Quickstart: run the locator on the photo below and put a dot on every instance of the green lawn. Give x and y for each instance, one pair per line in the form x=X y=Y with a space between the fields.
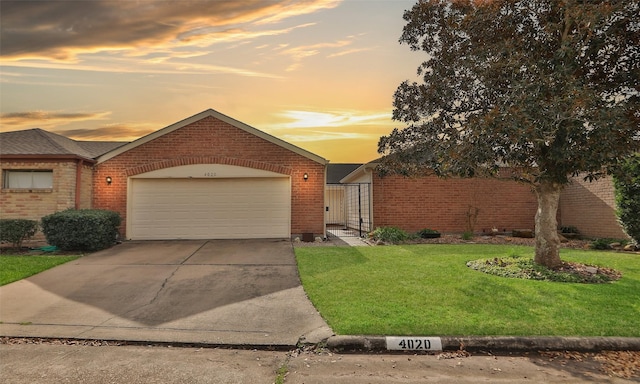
x=428 y=290
x=14 y=268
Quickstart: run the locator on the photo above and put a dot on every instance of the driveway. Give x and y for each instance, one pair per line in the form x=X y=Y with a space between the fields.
x=236 y=292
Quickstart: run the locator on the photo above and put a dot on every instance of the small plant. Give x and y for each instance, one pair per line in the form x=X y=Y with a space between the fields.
x=427 y=233
x=605 y=243
x=391 y=235
x=467 y=235
x=15 y=231
x=472 y=218
x=569 y=229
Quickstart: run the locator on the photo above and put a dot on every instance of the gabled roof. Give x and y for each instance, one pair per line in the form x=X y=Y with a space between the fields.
x=336 y=172
x=38 y=142
x=361 y=170
x=219 y=116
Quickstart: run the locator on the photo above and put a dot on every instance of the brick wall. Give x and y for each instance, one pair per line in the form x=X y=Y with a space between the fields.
x=442 y=204
x=590 y=206
x=211 y=141
x=34 y=204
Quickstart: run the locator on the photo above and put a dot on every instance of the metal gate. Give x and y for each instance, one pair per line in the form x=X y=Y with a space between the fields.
x=348 y=209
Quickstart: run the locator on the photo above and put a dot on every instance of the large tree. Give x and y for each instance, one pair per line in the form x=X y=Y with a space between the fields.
x=547 y=88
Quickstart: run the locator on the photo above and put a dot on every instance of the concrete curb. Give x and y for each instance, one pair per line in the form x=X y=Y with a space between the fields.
x=495 y=343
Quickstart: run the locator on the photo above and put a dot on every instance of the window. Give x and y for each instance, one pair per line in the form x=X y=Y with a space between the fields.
x=27 y=179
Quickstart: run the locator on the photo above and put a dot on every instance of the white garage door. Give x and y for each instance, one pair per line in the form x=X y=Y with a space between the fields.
x=210 y=208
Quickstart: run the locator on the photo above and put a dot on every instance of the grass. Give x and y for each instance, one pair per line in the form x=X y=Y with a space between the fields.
x=429 y=290
x=17 y=267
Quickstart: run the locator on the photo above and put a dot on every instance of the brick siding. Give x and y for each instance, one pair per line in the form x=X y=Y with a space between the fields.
x=590 y=207
x=442 y=204
x=212 y=141
x=34 y=204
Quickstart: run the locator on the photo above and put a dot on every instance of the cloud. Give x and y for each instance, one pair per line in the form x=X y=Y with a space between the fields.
x=314 y=136
x=301 y=52
x=348 y=52
x=310 y=119
x=115 y=132
x=62 y=30
x=30 y=119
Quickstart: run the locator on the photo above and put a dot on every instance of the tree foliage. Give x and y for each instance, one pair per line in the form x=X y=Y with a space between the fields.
x=627 y=183
x=549 y=88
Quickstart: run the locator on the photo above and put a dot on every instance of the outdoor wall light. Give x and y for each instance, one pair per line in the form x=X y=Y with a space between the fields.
x=305 y=176
x=109 y=180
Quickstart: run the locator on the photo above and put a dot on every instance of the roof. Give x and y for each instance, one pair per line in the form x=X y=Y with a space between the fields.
x=39 y=142
x=221 y=117
x=361 y=170
x=336 y=172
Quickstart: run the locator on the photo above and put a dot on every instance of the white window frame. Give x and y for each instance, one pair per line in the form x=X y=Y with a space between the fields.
x=27 y=179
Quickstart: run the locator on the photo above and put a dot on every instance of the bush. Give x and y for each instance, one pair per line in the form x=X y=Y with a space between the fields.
x=81 y=230
x=15 y=231
x=569 y=229
x=427 y=233
x=467 y=235
x=391 y=235
x=627 y=185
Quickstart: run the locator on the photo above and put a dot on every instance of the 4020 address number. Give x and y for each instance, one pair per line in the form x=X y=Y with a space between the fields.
x=414 y=343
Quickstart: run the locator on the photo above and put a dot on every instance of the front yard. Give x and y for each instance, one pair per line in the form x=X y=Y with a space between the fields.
x=429 y=290
x=17 y=267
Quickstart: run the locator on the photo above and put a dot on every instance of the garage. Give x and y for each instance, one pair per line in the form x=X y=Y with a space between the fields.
x=216 y=207
x=210 y=176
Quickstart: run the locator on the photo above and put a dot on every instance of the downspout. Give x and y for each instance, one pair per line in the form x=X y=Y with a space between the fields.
x=78 y=182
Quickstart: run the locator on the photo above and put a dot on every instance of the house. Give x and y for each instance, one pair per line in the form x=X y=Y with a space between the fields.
x=212 y=177
x=482 y=204
x=208 y=176
x=43 y=172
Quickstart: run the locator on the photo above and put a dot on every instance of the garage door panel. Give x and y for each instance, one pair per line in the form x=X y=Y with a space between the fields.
x=210 y=208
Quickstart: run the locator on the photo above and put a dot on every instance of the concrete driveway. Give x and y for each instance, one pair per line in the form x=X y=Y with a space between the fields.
x=236 y=292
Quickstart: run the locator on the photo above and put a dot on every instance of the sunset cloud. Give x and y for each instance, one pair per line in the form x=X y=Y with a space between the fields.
x=124 y=132
x=311 y=119
x=46 y=119
x=62 y=30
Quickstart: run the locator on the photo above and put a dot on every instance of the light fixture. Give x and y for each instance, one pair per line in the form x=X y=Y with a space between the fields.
x=305 y=176
x=109 y=180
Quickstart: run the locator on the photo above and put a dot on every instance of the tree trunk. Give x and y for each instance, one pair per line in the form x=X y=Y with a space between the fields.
x=547 y=240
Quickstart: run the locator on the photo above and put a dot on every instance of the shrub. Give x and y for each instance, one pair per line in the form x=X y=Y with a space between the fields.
x=15 y=231
x=391 y=235
x=467 y=235
x=606 y=243
x=569 y=229
x=81 y=230
x=427 y=233
x=627 y=185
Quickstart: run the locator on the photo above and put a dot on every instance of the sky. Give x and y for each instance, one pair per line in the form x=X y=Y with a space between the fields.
x=319 y=74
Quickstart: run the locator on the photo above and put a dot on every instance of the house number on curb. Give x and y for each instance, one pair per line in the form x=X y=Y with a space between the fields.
x=414 y=343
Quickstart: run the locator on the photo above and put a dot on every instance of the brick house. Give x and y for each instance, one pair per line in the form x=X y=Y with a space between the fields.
x=448 y=204
x=43 y=172
x=210 y=176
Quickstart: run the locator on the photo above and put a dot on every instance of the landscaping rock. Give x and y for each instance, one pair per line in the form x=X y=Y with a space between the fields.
x=526 y=233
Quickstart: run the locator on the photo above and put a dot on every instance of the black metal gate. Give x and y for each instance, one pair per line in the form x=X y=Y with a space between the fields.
x=348 y=209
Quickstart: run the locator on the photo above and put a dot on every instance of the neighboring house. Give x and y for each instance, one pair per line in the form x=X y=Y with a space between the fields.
x=43 y=172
